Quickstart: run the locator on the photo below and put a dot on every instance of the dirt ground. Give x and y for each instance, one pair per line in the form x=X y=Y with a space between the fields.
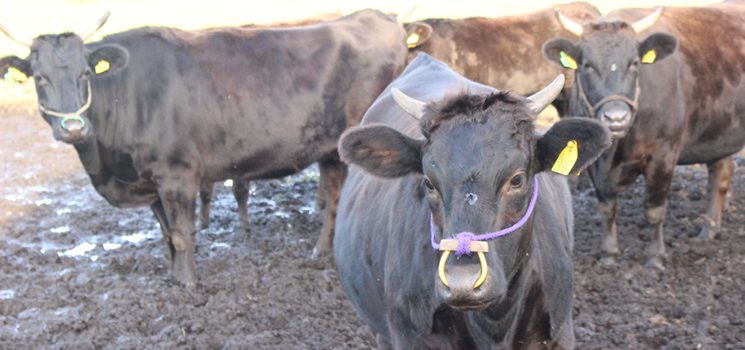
x=77 y=273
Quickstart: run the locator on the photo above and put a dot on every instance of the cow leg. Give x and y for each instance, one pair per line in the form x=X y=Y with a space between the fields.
x=333 y=173
x=383 y=343
x=658 y=176
x=609 y=211
x=606 y=184
x=240 y=192
x=205 y=196
x=720 y=178
x=160 y=215
x=320 y=198
x=178 y=192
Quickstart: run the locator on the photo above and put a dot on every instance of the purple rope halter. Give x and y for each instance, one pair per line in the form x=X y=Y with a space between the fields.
x=465 y=238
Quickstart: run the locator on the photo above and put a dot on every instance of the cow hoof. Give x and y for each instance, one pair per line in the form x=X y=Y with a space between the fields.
x=708 y=233
x=655 y=262
x=204 y=224
x=189 y=284
x=609 y=260
x=319 y=253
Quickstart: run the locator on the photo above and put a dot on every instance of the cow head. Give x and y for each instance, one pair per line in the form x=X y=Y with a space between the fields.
x=607 y=63
x=62 y=68
x=477 y=163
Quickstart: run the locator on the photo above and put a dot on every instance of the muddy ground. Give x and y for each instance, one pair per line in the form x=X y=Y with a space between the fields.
x=77 y=273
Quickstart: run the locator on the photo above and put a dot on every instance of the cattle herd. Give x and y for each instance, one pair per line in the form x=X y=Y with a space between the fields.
x=449 y=216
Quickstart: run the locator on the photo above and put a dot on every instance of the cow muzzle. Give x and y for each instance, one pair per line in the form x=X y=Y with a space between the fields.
x=73 y=130
x=72 y=127
x=618 y=116
x=467 y=283
x=617 y=112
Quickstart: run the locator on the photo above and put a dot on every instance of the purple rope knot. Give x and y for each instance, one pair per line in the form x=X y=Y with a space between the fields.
x=464 y=243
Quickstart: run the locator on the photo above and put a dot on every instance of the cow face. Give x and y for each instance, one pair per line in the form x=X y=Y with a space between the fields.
x=62 y=68
x=476 y=164
x=607 y=62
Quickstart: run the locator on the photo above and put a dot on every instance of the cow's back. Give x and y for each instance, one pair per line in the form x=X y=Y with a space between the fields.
x=258 y=103
x=711 y=74
x=504 y=52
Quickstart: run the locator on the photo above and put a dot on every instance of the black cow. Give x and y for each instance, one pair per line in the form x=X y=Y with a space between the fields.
x=176 y=108
x=500 y=51
x=671 y=92
x=467 y=165
x=241 y=187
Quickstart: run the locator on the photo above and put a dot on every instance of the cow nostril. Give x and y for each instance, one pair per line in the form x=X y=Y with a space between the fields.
x=72 y=125
x=447 y=293
x=615 y=115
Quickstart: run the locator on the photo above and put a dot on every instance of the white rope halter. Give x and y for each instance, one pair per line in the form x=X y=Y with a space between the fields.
x=67 y=116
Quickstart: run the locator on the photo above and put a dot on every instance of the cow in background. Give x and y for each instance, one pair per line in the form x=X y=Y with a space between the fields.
x=469 y=162
x=241 y=187
x=500 y=51
x=154 y=111
x=671 y=88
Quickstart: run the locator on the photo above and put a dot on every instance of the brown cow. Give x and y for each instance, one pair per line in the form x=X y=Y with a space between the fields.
x=671 y=92
x=503 y=51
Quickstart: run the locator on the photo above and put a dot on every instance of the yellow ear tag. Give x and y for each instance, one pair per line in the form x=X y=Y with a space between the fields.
x=567 y=61
x=17 y=75
x=14 y=76
x=412 y=40
x=649 y=57
x=567 y=158
x=102 y=66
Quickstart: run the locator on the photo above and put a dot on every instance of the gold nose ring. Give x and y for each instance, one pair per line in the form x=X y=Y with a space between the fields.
x=451 y=245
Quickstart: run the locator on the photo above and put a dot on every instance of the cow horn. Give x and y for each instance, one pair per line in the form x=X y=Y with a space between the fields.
x=568 y=24
x=86 y=33
x=648 y=21
x=23 y=40
x=411 y=106
x=409 y=13
x=541 y=99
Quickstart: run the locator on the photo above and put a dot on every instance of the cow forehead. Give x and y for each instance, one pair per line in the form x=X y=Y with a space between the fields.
x=460 y=150
x=609 y=46
x=59 y=50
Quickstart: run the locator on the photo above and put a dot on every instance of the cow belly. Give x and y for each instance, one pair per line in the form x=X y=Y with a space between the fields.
x=125 y=195
x=707 y=150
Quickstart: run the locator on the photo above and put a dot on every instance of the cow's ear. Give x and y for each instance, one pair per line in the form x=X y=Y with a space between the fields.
x=381 y=151
x=108 y=59
x=417 y=33
x=656 y=47
x=562 y=52
x=21 y=69
x=573 y=143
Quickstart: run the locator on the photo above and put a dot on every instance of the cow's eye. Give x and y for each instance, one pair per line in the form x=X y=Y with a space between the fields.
x=517 y=181
x=588 y=68
x=429 y=186
x=40 y=80
x=634 y=65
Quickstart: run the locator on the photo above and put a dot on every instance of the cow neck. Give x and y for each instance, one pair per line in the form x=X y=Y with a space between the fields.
x=89 y=156
x=592 y=109
x=464 y=238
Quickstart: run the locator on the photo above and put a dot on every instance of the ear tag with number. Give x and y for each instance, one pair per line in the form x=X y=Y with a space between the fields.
x=567 y=61
x=412 y=40
x=649 y=57
x=567 y=158
x=14 y=76
x=102 y=66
